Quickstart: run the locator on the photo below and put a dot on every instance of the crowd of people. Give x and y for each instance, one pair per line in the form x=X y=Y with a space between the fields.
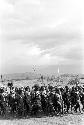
x=40 y=100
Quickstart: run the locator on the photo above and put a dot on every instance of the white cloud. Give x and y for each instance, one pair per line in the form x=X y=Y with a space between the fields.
x=39 y=32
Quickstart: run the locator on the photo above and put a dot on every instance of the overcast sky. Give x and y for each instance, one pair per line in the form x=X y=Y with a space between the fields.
x=41 y=33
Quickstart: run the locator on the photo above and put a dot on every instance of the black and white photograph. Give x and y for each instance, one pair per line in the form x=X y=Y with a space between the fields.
x=41 y=62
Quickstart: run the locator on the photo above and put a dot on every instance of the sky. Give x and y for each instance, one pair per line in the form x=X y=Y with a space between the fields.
x=41 y=34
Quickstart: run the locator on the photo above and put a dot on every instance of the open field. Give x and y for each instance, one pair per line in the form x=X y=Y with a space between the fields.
x=30 y=83
x=29 y=79
x=75 y=119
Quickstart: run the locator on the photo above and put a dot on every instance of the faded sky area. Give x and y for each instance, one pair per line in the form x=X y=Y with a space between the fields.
x=45 y=34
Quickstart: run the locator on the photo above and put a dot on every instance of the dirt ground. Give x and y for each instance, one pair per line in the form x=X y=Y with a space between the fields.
x=70 y=119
